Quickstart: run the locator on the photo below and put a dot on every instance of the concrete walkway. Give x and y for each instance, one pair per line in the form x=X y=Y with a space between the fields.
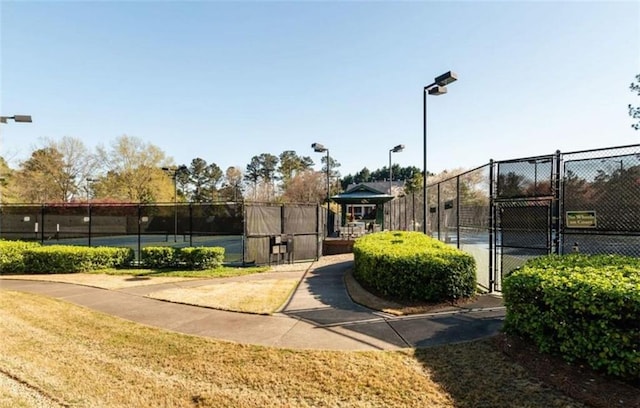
x=320 y=315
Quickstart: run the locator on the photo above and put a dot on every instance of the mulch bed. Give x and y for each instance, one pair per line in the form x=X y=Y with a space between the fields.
x=575 y=380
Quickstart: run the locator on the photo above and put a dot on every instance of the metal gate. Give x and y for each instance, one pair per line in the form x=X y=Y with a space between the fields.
x=522 y=233
x=525 y=212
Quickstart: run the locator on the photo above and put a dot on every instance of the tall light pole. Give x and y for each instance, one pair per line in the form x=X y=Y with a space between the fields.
x=319 y=148
x=17 y=119
x=89 y=180
x=438 y=87
x=173 y=173
x=396 y=149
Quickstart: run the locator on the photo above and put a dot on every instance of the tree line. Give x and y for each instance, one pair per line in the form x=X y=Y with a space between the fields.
x=132 y=170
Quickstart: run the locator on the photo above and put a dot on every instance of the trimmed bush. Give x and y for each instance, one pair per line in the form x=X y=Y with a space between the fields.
x=69 y=259
x=11 y=255
x=584 y=308
x=412 y=266
x=201 y=257
x=158 y=257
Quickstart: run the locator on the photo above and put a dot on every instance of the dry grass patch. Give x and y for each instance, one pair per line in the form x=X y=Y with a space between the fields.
x=260 y=296
x=14 y=394
x=89 y=359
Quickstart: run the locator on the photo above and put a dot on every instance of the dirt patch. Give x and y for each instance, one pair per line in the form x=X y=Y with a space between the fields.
x=575 y=380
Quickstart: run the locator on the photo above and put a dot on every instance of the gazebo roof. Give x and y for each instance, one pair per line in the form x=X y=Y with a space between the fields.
x=362 y=194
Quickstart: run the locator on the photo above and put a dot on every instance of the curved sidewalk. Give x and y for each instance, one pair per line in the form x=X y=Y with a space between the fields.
x=320 y=315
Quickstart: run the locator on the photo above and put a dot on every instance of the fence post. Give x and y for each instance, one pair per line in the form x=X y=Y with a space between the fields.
x=458 y=212
x=89 y=215
x=190 y=224
x=42 y=226
x=139 y=233
x=413 y=211
x=492 y=226
x=437 y=210
x=244 y=232
x=318 y=231
x=557 y=205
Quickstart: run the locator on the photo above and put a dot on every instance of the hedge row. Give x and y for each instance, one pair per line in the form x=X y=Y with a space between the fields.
x=188 y=258
x=412 y=266
x=581 y=307
x=23 y=257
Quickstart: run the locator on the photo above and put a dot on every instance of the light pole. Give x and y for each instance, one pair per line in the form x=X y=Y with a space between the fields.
x=535 y=163
x=89 y=180
x=438 y=87
x=319 y=148
x=4 y=119
x=173 y=173
x=396 y=149
x=615 y=161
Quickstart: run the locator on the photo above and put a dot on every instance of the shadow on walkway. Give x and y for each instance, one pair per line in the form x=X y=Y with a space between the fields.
x=322 y=299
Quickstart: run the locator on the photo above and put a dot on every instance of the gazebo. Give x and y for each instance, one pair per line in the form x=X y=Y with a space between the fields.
x=365 y=196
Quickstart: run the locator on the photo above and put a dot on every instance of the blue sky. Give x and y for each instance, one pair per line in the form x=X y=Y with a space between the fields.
x=225 y=81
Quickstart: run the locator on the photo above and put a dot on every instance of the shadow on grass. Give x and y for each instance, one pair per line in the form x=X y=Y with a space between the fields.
x=476 y=374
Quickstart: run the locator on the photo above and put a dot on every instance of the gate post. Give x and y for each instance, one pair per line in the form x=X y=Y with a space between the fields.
x=492 y=226
x=557 y=205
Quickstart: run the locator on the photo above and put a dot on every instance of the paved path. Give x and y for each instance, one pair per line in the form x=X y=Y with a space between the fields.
x=320 y=315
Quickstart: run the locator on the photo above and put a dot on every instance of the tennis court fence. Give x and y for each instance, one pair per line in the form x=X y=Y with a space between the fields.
x=509 y=211
x=251 y=233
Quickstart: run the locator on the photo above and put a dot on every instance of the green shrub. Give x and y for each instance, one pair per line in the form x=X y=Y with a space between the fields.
x=69 y=259
x=11 y=255
x=584 y=308
x=158 y=257
x=201 y=257
x=412 y=266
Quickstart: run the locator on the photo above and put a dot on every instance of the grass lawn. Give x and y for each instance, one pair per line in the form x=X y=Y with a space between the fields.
x=77 y=357
x=261 y=296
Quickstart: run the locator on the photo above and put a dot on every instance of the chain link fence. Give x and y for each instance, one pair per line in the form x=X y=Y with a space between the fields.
x=506 y=212
x=247 y=232
x=601 y=201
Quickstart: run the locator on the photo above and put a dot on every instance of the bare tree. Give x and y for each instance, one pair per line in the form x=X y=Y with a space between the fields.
x=134 y=171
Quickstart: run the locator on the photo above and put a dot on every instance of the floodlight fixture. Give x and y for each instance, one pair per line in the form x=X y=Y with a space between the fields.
x=438 y=90
x=318 y=148
x=16 y=118
x=446 y=78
